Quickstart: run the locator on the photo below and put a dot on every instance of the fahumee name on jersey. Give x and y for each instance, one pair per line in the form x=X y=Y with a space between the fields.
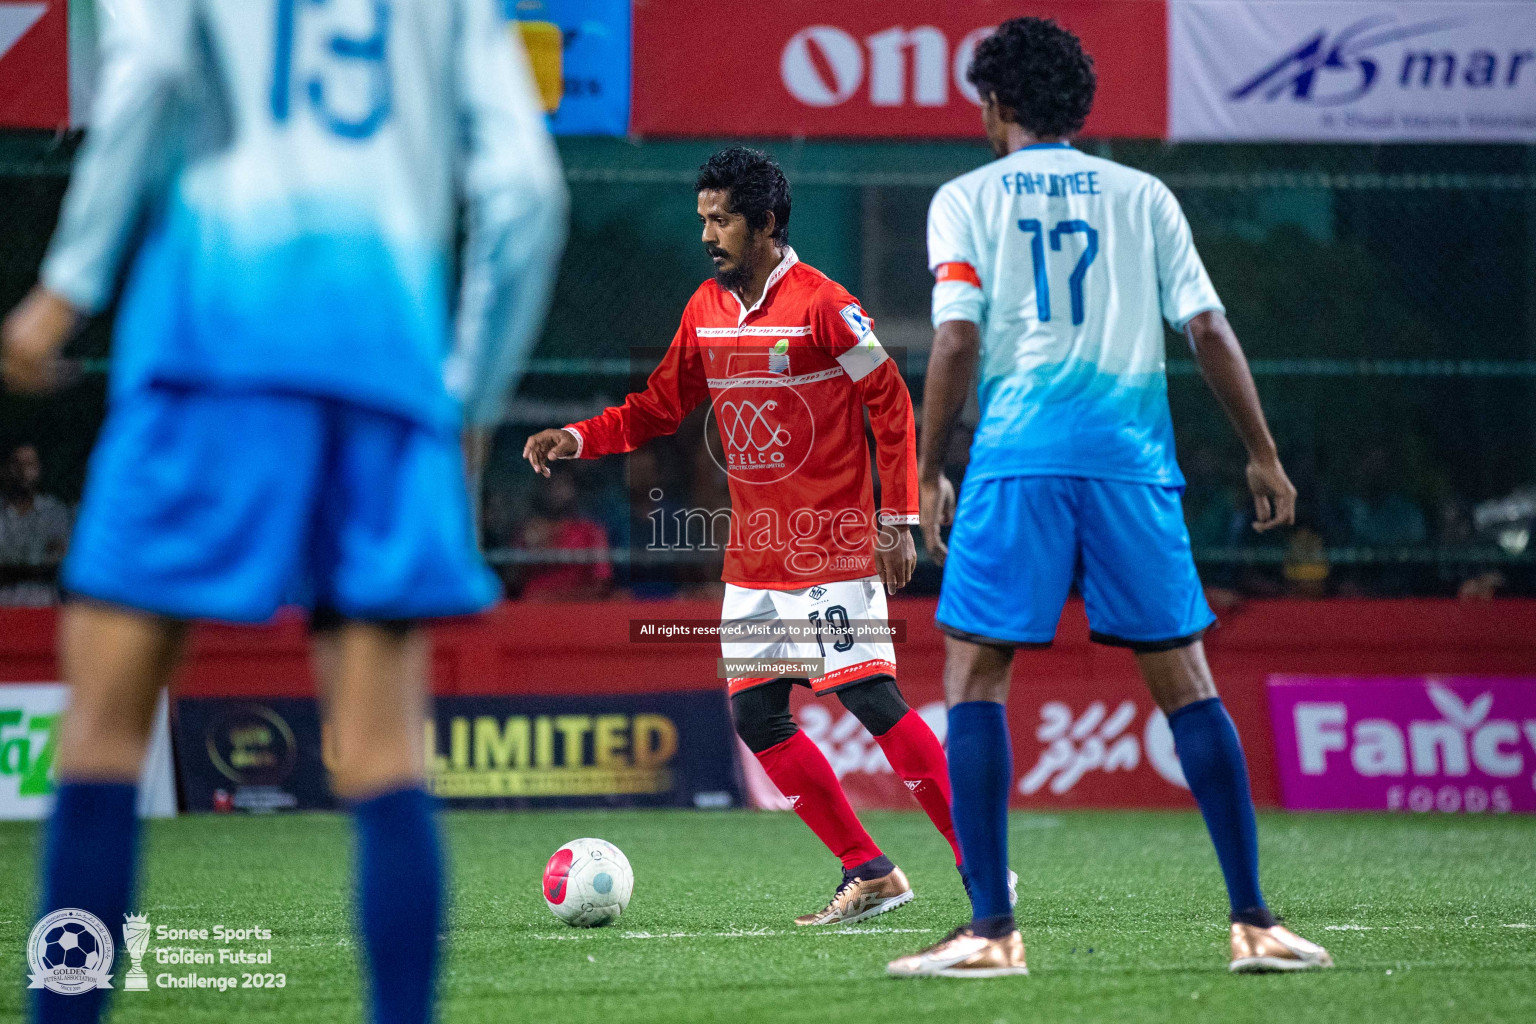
x=1037 y=183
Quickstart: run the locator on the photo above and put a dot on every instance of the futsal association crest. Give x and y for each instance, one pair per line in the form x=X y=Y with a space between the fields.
x=69 y=952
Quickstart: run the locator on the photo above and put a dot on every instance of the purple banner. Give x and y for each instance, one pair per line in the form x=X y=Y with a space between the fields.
x=1436 y=743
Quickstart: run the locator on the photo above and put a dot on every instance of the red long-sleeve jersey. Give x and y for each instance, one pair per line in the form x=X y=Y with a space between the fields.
x=790 y=379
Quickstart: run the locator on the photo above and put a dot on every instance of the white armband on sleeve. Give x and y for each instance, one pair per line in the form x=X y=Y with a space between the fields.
x=861 y=360
x=957 y=300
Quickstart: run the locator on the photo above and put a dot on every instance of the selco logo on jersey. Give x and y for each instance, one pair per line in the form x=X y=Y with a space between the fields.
x=760 y=446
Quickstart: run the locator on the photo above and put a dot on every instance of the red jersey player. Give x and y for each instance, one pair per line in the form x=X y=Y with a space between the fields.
x=791 y=363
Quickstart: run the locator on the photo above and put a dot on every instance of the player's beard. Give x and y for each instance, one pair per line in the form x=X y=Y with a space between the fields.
x=736 y=277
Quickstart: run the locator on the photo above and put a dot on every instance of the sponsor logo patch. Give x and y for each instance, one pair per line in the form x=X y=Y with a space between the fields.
x=858 y=321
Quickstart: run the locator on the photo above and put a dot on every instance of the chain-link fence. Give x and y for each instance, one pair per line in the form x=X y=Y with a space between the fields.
x=1386 y=297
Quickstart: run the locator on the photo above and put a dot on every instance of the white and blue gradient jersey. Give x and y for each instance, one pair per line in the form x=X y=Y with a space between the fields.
x=1069 y=263
x=278 y=180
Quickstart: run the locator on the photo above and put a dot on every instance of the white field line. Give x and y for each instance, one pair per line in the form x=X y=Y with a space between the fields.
x=746 y=933
x=1411 y=927
x=577 y=935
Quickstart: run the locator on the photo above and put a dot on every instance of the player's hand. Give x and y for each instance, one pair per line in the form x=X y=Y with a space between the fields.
x=936 y=503
x=555 y=443
x=32 y=336
x=895 y=556
x=1274 y=496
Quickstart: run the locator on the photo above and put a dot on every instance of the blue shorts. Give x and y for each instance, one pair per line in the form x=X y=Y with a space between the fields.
x=227 y=506
x=1019 y=543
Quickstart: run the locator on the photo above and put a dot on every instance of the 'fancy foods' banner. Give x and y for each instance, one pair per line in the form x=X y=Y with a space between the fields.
x=1439 y=743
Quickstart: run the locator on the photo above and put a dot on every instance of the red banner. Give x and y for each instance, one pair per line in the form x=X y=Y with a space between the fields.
x=34 y=64
x=880 y=68
x=1104 y=745
x=1075 y=742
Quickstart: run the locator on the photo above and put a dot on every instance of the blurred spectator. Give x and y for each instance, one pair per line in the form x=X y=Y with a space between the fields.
x=1381 y=514
x=499 y=502
x=1215 y=513
x=557 y=525
x=651 y=524
x=1456 y=534
x=1214 y=510
x=1305 y=568
x=711 y=489
x=34 y=532
x=1482 y=586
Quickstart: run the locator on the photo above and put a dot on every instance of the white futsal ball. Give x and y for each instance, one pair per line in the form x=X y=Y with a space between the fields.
x=587 y=883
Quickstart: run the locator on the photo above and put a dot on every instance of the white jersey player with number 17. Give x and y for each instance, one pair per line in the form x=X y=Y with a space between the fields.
x=1070 y=263
x=1054 y=273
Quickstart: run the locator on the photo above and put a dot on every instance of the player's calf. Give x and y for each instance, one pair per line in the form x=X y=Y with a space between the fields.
x=914 y=752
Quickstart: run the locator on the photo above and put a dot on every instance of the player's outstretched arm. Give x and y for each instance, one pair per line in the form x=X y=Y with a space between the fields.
x=951 y=365
x=1225 y=370
x=673 y=390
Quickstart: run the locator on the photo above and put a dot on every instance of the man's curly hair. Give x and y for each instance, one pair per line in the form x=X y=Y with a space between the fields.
x=755 y=184
x=1039 y=70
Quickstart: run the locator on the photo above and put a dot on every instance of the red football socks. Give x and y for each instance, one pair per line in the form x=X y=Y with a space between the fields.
x=801 y=771
x=918 y=760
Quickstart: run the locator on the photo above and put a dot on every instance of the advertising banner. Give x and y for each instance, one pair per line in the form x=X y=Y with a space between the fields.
x=1352 y=71
x=608 y=750
x=29 y=723
x=1105 y=745
x=880 y=68
x=579 y=51
x=256 y=755
x=1431 y=744
x=642 y=750
x=34 y=64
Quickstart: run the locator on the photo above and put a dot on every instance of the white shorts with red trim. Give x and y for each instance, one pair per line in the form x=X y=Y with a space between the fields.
x=845 y=659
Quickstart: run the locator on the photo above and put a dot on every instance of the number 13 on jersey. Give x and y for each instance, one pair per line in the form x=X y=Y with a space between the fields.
x=367 y=53
x=1038 y=234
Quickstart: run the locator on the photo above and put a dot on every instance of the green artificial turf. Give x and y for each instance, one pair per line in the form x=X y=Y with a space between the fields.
x=1429 y=918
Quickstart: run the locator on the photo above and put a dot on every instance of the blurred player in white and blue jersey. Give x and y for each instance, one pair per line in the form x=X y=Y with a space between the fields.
x=276 y=184
x=1054 y=273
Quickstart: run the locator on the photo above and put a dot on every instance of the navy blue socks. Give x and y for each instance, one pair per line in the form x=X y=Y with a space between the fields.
x=1212 y=758
x=980 y=775
x=88 y=865
x=399 y=902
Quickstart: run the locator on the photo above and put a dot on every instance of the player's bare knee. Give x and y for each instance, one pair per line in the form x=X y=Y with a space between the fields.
x=967 y=690
x=975 y=672
x=103 y=736
x=1177 y=677
x=362 y=769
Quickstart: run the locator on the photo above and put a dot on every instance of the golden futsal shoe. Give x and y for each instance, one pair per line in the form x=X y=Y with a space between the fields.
x=964 y=954
x=860 y=898
x=1255 y=950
